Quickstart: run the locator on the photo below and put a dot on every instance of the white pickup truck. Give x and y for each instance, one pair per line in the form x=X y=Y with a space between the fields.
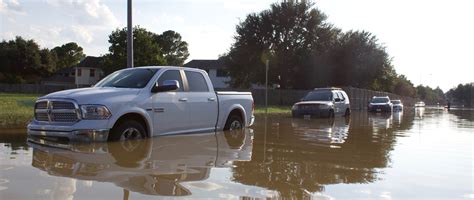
x=140 y=102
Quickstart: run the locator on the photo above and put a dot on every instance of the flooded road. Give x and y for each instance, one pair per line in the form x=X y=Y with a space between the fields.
x=420 y=154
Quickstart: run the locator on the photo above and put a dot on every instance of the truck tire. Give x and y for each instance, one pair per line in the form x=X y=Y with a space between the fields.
x=127 y=130
x=234 y=122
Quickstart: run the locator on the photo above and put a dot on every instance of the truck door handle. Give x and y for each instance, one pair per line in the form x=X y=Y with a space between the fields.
x=183 y=99
x=211 y=99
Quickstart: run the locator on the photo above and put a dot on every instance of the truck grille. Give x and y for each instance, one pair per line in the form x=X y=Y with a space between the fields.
x=56 y=111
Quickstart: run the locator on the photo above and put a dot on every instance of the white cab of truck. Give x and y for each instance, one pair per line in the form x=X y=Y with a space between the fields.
x=140 y=102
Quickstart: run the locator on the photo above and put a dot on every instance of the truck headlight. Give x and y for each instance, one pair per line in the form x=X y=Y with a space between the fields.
x=95 y=112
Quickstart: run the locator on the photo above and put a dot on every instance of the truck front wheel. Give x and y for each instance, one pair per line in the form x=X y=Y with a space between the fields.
x=234 y=122
x=127 y=130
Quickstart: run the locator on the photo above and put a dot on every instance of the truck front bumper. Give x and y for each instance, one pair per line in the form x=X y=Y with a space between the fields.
x=79 y=132
x=86 y=135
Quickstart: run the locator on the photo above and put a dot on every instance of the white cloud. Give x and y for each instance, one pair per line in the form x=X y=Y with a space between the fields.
x=165 y=19
x=10 y=6
x=82 y=33
x=87 y=12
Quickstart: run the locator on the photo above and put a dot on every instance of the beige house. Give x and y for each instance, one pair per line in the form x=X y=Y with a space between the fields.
x=88 y=72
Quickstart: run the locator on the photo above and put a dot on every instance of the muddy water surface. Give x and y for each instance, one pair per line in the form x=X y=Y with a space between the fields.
x=420 y=154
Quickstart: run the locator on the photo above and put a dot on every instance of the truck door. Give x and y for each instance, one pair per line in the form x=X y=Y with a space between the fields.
x=170 y=108
x=202 y=102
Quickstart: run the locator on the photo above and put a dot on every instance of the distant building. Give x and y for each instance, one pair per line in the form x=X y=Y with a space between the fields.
x=88 y=72
x=216 y=69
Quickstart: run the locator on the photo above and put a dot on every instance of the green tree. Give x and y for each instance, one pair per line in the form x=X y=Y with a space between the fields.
x=404 y=87
x=147 y=49
x=289 y=34
x=22 y=61
x=429 y=95
x=360 y=61
x=305 y=51
x=463 y=94
x=175 y=51
x=68 y=55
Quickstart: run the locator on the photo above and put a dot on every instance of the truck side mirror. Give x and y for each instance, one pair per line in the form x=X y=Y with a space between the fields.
x=167 y=85
x=337 y=100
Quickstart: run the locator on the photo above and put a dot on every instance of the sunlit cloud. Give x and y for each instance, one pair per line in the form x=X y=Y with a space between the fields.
x=11 y=6
x=92 y=12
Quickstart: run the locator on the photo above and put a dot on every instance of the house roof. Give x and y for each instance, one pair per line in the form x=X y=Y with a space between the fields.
x=90 y=61
x=206 y=64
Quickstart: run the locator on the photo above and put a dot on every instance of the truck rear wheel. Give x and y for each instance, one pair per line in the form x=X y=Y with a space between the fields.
x=127 y=130
x=234 y=122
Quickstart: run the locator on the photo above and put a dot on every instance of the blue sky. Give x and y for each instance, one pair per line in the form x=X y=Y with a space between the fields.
x=430 y=41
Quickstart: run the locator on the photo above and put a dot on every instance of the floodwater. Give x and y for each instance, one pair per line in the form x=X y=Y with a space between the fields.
x=420 y=154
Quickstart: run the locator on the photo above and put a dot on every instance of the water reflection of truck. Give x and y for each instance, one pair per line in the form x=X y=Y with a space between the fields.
x=323 y=131
x=155 y=166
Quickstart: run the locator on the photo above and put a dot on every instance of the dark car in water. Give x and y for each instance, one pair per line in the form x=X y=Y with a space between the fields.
x=380 y=104
x=323 y=102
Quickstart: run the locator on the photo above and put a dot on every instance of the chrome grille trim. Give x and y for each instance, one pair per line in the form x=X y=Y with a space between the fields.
x=57 y=110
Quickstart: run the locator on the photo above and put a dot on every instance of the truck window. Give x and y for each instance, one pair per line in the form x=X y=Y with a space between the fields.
x=171 y=75
x=196 y=82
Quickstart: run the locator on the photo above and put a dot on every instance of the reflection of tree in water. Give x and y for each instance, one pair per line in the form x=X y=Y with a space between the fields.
x=294 y=166
x=463 y=114
x=15 y=140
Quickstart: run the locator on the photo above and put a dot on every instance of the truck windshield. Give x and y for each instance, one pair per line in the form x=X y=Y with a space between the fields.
x=133 y=78
x=318 y=96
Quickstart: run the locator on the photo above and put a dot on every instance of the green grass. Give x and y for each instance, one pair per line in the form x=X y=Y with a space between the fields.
x=273 y=110
x=16 y=109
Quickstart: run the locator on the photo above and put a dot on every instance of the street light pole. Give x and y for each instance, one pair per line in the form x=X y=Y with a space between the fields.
x=129 y=35
x=266 y=86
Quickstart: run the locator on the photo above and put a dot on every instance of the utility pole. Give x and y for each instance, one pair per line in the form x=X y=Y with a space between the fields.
x=266 y=86
x=129 y=35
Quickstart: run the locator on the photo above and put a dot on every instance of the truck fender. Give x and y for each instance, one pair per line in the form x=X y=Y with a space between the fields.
x=134 y=110
x=229 y=110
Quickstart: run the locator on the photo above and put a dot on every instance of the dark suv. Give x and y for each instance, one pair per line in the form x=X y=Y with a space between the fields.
x=380 y=104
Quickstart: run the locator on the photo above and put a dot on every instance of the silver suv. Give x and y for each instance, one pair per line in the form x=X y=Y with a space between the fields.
x=323 y=102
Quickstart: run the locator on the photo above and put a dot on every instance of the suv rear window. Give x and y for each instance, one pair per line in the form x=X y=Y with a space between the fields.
x=318 y=96
x=380 y=100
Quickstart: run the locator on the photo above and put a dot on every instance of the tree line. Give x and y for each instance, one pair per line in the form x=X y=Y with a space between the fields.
x=24 y=61
x=463 y=94
x=305 y=51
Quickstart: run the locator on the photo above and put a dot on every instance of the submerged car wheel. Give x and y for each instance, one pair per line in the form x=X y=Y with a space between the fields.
x=127 y=130
x=331 y=114
x=348 y=112
x=234 y=122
